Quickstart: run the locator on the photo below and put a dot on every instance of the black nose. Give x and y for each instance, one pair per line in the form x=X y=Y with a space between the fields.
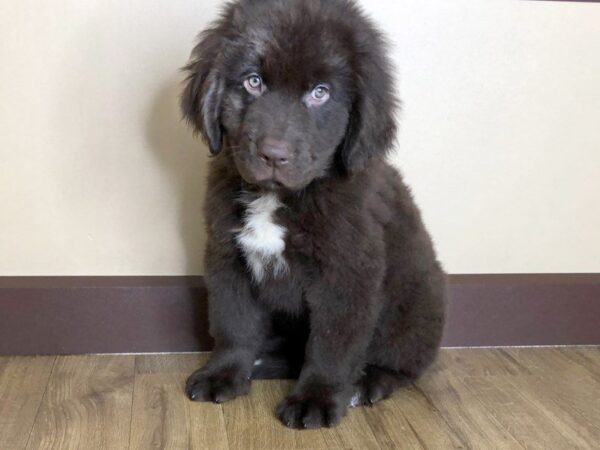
x=274 y=152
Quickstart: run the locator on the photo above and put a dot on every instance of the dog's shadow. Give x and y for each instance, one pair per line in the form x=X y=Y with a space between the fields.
x=184 y=158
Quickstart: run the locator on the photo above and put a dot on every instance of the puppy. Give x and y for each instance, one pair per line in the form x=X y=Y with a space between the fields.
x=318 y=265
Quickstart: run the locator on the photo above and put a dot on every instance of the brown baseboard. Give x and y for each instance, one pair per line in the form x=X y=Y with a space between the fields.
x=66 y=315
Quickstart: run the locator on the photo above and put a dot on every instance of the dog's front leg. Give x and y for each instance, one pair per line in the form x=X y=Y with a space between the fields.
x=341 y=324
x=237 y=323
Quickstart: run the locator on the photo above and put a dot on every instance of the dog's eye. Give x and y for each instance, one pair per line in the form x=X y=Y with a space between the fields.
x=320 y=92
x=319 y=95
x=254 y=84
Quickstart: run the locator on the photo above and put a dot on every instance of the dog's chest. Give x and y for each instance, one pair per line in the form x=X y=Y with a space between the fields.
x=261 y=239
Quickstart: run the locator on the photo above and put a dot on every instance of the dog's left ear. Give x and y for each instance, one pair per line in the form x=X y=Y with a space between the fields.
x=203 y=92
x=372 y=123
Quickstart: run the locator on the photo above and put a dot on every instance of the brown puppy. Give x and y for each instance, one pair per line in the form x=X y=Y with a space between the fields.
x=318 y=265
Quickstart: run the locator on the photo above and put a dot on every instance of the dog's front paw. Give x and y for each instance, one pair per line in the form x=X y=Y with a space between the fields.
x=312 y=410
x=216 y=386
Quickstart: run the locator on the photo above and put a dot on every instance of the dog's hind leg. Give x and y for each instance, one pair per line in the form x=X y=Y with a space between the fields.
x=377 y=384
x=406 y=340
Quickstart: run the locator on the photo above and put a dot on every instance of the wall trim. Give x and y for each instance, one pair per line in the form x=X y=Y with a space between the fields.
x=67 y=315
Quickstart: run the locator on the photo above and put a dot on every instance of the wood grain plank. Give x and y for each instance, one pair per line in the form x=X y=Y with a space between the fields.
x=481 y=362
x=566 y=392
x=354 y=432
x=163 y=417
x=182 y=363
x=483 y=398
x=251 y=423
x=87 y=404
x=408 y=420
x=463 y=411
x=23 y=381
x=586 y=357
x=529 y=423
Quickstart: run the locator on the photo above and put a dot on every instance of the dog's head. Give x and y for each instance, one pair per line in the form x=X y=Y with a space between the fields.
x=295 y=90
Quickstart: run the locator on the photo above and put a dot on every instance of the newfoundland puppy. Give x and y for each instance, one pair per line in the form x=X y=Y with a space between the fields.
x=318 y=265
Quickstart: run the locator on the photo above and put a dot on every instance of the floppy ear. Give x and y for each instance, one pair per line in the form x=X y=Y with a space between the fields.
x=203 y=92
x=372 y=124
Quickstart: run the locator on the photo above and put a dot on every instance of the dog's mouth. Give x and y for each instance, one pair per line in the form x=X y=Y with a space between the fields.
x=272 y=179
x=256 y=171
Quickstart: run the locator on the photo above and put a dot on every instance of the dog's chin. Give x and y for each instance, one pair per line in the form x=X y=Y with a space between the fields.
x=268 y=179
x=271 y=185
x=274 y=183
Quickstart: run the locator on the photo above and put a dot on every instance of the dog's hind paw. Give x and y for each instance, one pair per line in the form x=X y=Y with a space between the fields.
x=217 y=387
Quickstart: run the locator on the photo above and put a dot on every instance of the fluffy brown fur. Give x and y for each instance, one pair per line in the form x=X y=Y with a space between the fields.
x=295 y=99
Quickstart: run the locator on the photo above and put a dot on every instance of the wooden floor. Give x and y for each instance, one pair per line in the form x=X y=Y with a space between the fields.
x=481 y=399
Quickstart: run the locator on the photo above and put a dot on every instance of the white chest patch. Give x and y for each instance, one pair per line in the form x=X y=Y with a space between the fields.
x=261 y=239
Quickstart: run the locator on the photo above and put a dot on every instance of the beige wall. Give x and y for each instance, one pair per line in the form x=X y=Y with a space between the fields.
x=500 y=134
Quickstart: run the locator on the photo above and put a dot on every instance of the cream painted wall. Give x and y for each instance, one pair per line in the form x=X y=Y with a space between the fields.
x=500 y=134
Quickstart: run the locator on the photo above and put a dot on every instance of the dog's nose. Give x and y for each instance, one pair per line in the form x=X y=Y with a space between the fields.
x=274 y=152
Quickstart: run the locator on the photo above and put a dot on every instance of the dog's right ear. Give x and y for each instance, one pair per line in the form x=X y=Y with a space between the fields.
x=203 y=92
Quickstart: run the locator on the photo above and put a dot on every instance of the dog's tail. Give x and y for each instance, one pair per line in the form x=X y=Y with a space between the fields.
x=280 y=364
x=282 y=353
